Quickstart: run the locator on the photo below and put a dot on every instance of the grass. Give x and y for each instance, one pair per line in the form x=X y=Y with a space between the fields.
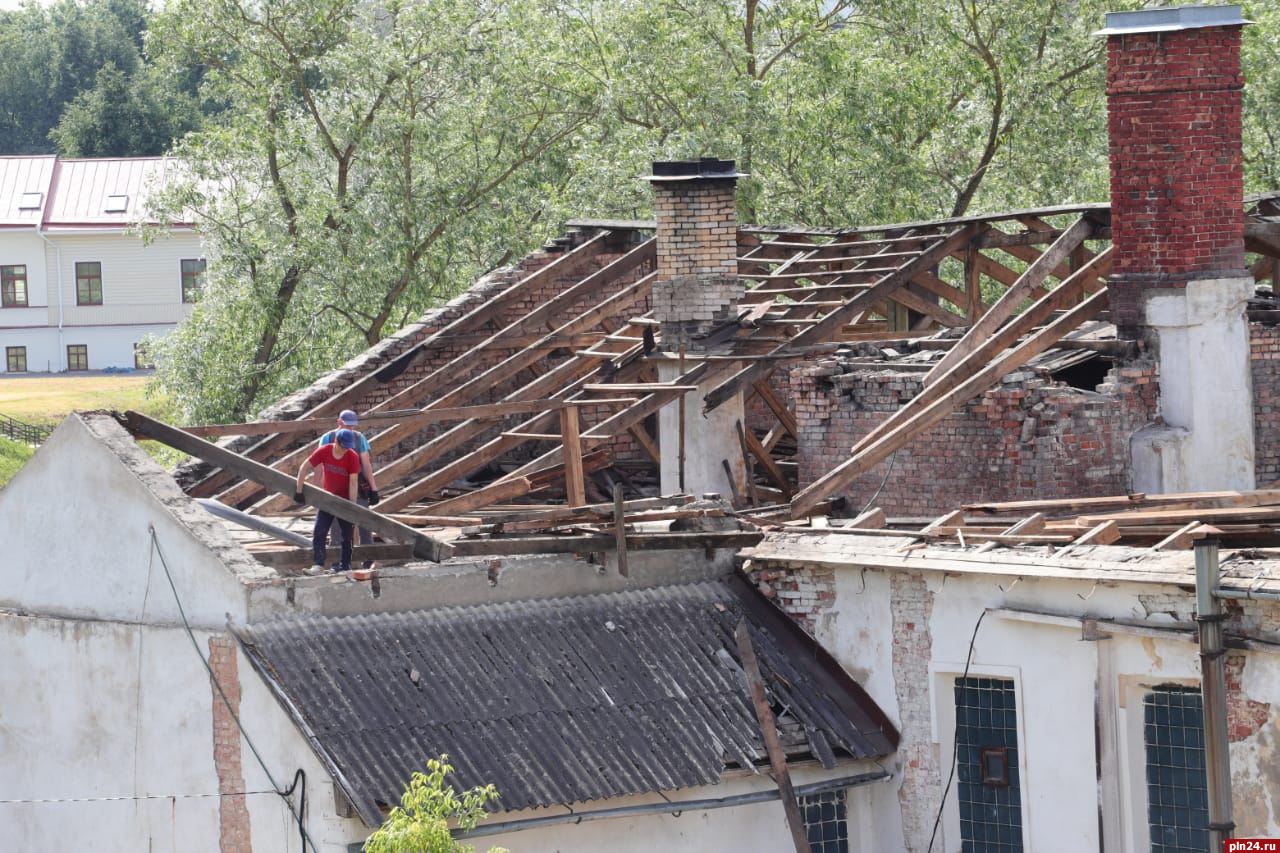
x=12 y=457
x=45 y=399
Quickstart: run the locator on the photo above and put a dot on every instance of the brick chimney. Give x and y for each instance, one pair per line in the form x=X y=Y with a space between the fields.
x=1177 y=225
x=697 y=290
x=1177 y=186
x=697 y=229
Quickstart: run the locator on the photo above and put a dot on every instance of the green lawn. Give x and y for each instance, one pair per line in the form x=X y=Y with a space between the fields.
x=12 y=457
x=45 y=399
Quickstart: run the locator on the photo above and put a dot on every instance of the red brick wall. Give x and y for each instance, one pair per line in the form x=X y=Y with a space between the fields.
x=233 y=815
x=1025 y=439
x=1176 y=169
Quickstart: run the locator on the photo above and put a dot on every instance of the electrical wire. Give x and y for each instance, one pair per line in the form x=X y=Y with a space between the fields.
x=955 y=736
x=284 y=795
x=880 y=489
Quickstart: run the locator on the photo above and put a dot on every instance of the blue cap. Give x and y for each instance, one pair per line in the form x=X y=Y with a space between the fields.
x=346 y=438
x=349 y=417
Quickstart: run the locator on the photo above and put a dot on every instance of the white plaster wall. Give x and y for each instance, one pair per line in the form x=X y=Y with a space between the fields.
x=1060 y=678
x=754 y=828
x=110 y=722
x=1206 y=395
x=77 y=525
x=709 y=440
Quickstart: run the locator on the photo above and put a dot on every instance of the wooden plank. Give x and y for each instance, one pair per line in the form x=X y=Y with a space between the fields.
x=646 y=442
x=424 y=547
x=821 y=331
x=872 y=454
x=779 y=408
x=1180 y=540
x=771 y=469
x=585 y=544
x=574 y=486
x=1137 y=500
x=301 y=558
x=773 y=745
x=1182 y=516
x=983 y=354
x=872 y=519
x=1005 y=307
x=1100 y=534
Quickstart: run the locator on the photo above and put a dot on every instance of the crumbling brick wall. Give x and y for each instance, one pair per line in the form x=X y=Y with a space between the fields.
x=1027 y=438
x=1264 y=359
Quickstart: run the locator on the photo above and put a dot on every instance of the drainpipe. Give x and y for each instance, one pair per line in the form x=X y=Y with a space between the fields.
x=62 y=350
x=1213 y=688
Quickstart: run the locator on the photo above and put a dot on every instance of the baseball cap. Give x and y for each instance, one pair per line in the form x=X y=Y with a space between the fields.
x=346 y=438
x=348 y=417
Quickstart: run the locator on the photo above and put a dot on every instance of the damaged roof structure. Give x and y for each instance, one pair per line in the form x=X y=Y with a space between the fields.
x=942 y=479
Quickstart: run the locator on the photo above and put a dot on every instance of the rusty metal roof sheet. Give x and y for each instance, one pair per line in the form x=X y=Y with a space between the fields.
x=561 y=700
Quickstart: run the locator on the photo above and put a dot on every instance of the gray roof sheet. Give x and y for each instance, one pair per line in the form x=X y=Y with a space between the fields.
x=561 y=700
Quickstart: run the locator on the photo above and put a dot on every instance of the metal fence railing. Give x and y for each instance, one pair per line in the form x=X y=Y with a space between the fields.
x=23 y=432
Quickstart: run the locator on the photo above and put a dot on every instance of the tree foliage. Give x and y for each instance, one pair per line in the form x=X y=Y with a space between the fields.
x=372 y=159
x=420 y=824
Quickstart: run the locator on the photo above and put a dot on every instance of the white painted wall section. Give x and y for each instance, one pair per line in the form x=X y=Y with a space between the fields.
x=1206 y=392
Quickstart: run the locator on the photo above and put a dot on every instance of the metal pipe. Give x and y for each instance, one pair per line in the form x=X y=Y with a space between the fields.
x=57 y=250
x=1213 y=691
x=676 y=806
x=1247 y=594
x=221 y=510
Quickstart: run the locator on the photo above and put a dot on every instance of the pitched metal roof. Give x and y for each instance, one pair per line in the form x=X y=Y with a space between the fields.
x=561 y=700
x=24 y=189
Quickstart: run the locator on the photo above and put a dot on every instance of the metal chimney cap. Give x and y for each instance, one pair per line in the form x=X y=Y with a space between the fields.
x=1171 y=19
x=700 y=169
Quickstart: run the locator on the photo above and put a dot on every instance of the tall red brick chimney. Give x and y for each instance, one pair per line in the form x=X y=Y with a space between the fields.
x=1177 y=187
x=1177 y=226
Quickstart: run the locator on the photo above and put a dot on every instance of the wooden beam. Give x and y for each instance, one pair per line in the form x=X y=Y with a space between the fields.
x=773 y=745
x=779 y=408
x=574 y=486
x=984 y=351
x=1008 y=304
x=1180 y=540
x=872 y=454
x=1100 y=534
x=771 y=469
x=566 y=265
x=646 y=442
x=424 y=547
x=586 y=544
x=832 y=322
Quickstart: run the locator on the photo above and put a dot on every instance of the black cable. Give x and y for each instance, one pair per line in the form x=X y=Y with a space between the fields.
x=955 y=736
x=887 y=472
x=155 y=544
x=300 y=775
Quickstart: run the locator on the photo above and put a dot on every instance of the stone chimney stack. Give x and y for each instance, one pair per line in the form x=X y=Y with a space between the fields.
x=1178 y=279
x=1177 y=185
x=697 y=231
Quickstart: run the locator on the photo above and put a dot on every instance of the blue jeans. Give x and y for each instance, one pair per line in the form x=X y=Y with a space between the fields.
x=320 y=539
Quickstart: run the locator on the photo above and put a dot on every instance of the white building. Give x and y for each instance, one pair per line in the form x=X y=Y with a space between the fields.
x=79 y=286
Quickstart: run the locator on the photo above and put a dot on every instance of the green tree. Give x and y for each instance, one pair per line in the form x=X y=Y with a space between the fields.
x=354 y=177
x=124 y=116
x=420 y=824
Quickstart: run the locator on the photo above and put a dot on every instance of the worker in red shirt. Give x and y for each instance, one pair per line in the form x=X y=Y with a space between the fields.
x=340 y=466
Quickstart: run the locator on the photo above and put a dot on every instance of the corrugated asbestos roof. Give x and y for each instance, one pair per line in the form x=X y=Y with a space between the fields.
x=562 y=700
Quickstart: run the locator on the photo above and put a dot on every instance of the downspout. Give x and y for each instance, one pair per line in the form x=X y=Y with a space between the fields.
x=62 y=350
x=1213 y=688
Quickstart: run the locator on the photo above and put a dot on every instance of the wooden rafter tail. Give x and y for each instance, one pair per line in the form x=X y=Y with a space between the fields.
x=578 y=258
x=985 y=351
x=424 y=547
x=831 y=324
x=872 y=454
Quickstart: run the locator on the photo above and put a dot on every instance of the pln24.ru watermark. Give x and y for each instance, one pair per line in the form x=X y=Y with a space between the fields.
x=1252 y=845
